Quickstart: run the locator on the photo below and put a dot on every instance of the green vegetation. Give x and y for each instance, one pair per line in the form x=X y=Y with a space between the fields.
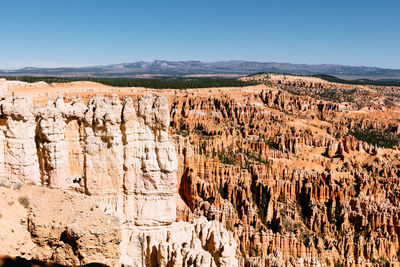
x=24 y=201
x=270 y=142
x=182 y=128
x=338 y=263
x=374 y=137
x=159 y=83
x=227 y=156
x=262 y=204
x=331 y=78
x=254 y=157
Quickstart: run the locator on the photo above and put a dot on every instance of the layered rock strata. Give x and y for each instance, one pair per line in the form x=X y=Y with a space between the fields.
x=118 y=153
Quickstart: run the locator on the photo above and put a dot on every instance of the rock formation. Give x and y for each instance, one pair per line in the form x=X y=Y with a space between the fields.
x=118 y=153
x=299 y=171
x=63 y=227
x=3 y=87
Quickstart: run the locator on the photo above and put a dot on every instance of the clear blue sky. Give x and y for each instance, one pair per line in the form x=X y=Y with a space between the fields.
x=91 y=32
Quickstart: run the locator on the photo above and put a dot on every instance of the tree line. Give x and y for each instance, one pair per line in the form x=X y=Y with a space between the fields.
x=156 y=83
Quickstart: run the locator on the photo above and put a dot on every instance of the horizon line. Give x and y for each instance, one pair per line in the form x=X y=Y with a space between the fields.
x=55 y=65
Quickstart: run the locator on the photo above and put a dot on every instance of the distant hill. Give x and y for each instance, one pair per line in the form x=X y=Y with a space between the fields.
x=220 y=68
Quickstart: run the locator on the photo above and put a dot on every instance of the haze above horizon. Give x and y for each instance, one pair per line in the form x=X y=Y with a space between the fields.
x=86 y=33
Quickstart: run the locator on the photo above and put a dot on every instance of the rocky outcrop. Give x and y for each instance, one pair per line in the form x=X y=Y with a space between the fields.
x=118 y=153
x=348 y=95
x=3 y=87
x=200 y=243
x=127 y=158
x=301 y=172
x=282 y=100
x=18 y=131
x=63 y=227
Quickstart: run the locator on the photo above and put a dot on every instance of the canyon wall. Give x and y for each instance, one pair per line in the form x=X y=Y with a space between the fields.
x=302 y=174
x=118 y=153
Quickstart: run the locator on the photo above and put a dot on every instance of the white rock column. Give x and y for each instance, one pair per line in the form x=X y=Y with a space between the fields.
x=20 y=153
x=104 y=148
x=53 y=148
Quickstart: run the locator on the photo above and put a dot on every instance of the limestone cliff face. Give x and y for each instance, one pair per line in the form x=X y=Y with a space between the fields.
x=118 y=153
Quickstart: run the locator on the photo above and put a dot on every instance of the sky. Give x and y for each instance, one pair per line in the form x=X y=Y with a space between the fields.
x=51 y=33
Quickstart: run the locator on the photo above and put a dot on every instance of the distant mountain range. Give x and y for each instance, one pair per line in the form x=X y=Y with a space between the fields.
x=198 y=68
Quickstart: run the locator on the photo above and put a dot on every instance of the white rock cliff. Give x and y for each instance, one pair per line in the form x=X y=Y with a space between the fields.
x=118 y=153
